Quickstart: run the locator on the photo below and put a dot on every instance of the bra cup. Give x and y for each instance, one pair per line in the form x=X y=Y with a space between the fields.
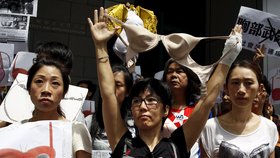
x=178 y=45
x=120 y=48
x=133 y=18
x=203 y=72
x=139 y=39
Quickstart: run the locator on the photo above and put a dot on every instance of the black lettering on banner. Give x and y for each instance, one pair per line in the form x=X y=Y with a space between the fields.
x=277 y=53
x=270 y=51
x=250 y=45
x=256 y=29
x=267 y=33
x=273 y=34
x=245 y=24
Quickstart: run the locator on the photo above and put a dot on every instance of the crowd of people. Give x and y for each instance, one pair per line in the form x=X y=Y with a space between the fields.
x=172 y=117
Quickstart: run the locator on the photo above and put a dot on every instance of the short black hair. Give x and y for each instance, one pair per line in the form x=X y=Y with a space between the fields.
x=154 y=86
x=54 y=50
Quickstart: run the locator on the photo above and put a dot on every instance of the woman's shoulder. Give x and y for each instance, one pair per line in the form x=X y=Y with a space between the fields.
x=212 y=121
x=213 y=125
x=268 y=122
x=80 y=130
x=76 y=125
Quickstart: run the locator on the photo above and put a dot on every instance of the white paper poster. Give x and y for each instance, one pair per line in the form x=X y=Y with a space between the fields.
x=274 y=79
x=37 y=139
x=21 y=64
x=14 y=27
x=6 y=58
x=24 y=7
x=259 y=28
x=88 y=107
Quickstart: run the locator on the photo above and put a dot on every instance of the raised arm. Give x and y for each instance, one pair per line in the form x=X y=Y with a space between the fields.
x=113 y=122
x=193 y=127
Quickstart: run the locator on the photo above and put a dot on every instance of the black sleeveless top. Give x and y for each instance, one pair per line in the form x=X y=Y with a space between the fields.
x=173 y=147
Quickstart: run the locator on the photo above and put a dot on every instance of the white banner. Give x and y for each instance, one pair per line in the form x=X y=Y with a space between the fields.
x=21 y=64
x=24 y=7
x=6 y=58
x=274 y=79
x=88 y=107
x=260 y=28
x=37 y=139
x=14 y=27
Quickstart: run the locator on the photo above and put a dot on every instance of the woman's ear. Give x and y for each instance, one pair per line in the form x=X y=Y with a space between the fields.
x=262 y=88
x=225 y=89
x=166 y=111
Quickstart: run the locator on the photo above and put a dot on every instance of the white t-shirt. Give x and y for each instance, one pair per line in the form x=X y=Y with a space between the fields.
x=261 y=142
x=81 y=138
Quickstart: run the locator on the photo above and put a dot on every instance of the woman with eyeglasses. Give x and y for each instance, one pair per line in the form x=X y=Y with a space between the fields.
x=150 y=104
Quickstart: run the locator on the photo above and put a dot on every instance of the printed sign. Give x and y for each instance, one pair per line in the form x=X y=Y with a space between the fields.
x=37 y=139
x=6 y=58
x=260 y=28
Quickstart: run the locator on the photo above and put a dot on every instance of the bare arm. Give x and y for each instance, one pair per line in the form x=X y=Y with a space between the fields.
x=202 y=110
x=113 y=122
x=272 y=155
x=82 y=154
x=3 y=124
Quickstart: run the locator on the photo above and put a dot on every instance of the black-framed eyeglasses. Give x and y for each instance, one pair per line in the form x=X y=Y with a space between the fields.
x=150 y=102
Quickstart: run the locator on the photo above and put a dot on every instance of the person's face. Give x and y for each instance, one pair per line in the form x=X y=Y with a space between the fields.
x=46 y=90
x=120 y=86
x=148 y=114
x=176 y=78
x=242 y=86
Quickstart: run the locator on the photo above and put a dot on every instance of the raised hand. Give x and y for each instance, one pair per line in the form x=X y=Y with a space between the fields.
x=260 y=53
x=99 y=28
x=233 y=46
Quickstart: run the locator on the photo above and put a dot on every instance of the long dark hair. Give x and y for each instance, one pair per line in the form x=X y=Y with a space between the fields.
x=97 y=118
x=53 y=50
x=193 y=87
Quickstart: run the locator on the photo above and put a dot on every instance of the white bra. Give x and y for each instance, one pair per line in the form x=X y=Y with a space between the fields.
x=178 y=46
